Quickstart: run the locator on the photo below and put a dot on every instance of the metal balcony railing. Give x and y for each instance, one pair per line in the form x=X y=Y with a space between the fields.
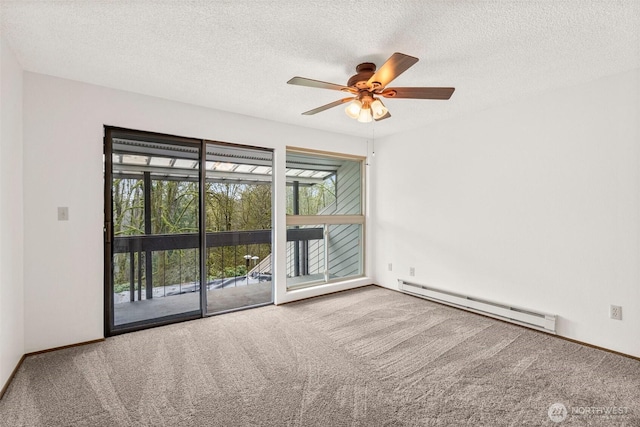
x=138 y=245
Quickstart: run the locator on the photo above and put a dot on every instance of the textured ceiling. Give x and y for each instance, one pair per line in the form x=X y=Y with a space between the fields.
x=238 y=55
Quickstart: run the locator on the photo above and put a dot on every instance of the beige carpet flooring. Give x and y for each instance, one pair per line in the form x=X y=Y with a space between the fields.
x=366 y=357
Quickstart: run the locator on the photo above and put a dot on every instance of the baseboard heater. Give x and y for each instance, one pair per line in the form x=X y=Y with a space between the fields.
x=524 y=317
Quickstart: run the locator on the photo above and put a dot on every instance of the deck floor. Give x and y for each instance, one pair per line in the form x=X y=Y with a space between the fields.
x=237 y=294
x=217 y=300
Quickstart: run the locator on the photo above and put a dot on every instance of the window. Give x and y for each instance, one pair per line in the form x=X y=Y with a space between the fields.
x=325 y=218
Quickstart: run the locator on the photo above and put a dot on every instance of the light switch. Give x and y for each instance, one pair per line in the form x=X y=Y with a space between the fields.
x=63 y=213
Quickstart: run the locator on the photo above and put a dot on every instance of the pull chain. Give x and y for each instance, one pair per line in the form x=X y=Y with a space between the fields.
x=373 y=139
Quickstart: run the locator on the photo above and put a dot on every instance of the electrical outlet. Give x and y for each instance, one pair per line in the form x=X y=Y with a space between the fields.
x=615 y=312
x=390 y=267
x=412 y=271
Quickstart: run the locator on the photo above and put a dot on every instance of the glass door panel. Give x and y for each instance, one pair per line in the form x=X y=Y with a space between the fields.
x=238 y=200
x=155 y=248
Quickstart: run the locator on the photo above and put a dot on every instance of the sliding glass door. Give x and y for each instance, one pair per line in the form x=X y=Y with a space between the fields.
x=187 y=229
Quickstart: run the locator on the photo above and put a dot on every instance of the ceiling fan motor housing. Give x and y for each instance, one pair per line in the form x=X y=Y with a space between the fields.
x=365 y=71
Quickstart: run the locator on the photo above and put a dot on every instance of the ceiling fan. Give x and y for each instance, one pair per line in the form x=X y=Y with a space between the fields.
x=368 y=85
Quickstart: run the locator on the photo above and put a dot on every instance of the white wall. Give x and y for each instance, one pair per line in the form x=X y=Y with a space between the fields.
x=11 y=225
x=63 y=134
x=535 y=204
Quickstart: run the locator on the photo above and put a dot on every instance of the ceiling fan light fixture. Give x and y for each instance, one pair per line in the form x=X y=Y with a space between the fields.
x=378 y=109
x=365 y=115
x=371 y=82
x=353 y=109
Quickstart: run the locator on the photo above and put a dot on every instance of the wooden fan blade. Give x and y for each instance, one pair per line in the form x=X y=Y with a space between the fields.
x=386 y=116
x=418 y=92
x=397 y=64
x=301 y=81
x=326 y=107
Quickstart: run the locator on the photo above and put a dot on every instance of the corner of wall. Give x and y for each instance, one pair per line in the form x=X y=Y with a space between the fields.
x=11 y=214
